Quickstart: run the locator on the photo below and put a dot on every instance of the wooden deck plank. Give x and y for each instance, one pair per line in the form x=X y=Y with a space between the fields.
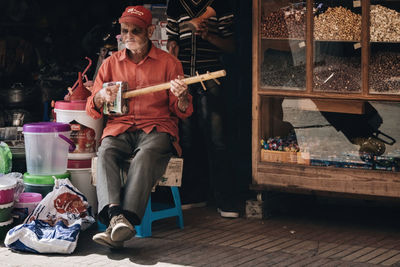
x=229 y=261
x=358 y=254
x=226 y=253
x=371 y=255
x=318 y=263
x=194 y=234
x=334 y=250
x=263 y=261
x=215 y=236
x=225 y=238
x=324 y=246
x=281 y=246
x=346 y=252
x=305 y=261
x=260 y=242
x=294 y=259
x=232 y=241
x=244 y=260
x=278 y=257
x=248 y=241
x=272 y=243
x=391 y=261
x=303 y=247
x=200 y=259
x=385 y=256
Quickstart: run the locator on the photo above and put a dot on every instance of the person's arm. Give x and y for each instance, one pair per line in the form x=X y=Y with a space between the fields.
x=173 y=28
x=180 y=89
x=225 y=44
x=100 y=95
x=224 y=38
x=180 y=101
x=173 y=47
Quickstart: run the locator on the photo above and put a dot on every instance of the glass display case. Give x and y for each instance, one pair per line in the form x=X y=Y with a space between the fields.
x=384 y=65
x=283 y=26
x=337 y=37
x=326 y=102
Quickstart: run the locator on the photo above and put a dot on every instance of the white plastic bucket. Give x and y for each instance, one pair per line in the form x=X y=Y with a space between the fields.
x=70 y=111
x=81 y=178
x=46 y=147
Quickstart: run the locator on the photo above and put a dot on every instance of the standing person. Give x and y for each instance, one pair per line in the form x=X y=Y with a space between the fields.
x=149 y=130
x=199 y=32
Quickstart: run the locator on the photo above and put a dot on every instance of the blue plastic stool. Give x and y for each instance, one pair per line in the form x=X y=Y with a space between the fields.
x=150 y=215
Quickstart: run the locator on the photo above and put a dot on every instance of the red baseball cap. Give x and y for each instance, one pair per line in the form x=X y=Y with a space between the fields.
x=138 y=15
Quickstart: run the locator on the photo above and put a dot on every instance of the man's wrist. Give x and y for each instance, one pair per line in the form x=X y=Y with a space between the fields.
x=183 y=103
x=98 y=101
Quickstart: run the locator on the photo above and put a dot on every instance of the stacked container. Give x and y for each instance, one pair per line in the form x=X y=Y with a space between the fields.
x=86 y=133
x=7 y=189
x=25 y=204
x=46 y=148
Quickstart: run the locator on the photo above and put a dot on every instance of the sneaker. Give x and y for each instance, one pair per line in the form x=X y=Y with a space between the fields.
x=104 y=238
x=228 y=210
x=228 y=213
x=122 y=230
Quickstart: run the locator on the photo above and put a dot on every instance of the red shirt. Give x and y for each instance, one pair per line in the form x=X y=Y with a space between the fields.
x=155 y=110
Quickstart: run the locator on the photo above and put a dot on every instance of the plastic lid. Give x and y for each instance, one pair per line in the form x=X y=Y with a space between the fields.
x=7 y=183
x=7 y=205
x=79 y=164
x=28 y=197
x=46 y=127
x=7 y=222
x=43 y=179
x=71 y=105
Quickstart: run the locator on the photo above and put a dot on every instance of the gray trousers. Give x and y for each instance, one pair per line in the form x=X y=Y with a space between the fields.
x=151 y=156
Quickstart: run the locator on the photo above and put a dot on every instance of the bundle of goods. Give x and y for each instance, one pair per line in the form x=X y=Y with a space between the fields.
x=337 y=23
x=285 y=150
x=385 y=24
x=287 y=22
x=385 y=77
x=338 y=74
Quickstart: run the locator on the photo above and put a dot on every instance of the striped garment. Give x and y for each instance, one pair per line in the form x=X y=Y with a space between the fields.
x=195 y=53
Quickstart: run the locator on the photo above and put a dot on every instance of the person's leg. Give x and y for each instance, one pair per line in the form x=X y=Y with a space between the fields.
x=111 y=153
x=152 y=154
x=194 y=177
x=214 y=124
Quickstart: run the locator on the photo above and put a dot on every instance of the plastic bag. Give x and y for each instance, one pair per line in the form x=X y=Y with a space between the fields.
x=55 y=224
x=5 y=158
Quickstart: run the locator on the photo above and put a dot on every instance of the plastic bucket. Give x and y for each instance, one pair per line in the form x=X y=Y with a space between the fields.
x=5 y=211
x=74 y=112
x=26 y=203
x=42 y=184
x=7 y=189
x=46 y=147
x=81 y=178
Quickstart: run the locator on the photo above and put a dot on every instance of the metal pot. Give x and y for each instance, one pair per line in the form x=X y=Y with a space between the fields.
x=19 y=96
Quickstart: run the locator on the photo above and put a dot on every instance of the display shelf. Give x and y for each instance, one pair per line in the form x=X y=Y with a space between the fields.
x=338 y=92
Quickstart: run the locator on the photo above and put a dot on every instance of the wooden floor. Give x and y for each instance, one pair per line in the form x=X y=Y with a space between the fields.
x=351 y=234
x=300 y=233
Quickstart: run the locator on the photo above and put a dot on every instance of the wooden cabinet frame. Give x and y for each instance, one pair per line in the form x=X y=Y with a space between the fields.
x=291 y=177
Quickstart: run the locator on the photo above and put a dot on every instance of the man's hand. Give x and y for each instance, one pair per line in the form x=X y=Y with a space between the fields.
x=179 y=89
x=106 y=95
x=202 y=30
x=173 y=48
